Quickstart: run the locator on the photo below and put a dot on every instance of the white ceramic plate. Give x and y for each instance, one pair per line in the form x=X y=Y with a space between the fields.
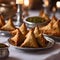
x=49 y=45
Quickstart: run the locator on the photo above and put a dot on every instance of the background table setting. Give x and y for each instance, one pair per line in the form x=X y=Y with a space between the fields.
x=47 y=54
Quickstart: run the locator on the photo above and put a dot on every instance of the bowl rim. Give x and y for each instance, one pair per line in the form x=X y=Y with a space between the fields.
x=7 y=45
x=32 y=22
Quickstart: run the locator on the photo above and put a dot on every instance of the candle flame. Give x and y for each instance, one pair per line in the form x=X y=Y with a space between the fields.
x=58 y=4
x=19 y=1
x=46 y=3
x=26 y=2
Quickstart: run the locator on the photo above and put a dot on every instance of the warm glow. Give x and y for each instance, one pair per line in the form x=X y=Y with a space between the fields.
x=54 y=9
x=12 y=3
x=2 y=9
x=26 y=2
x=19 y=1
x=46 y=3
x=58 y=4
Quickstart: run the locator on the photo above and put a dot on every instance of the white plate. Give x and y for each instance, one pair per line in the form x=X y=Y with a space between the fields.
x=49 y=45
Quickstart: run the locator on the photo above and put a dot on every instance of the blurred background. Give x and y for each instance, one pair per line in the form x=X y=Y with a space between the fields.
x=9 y=7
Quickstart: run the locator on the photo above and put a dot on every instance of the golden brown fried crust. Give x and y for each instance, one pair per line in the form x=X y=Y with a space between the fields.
x=9 y=26
x=53 y=28
x=18 y=38
x=41 y=40
x=2 y=22
x=13 y=32
x=30 y=41
x=54 y=19
x=36 y=31
x=23 y=29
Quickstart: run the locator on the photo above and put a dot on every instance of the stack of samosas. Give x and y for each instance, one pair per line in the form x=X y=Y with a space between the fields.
x=22 y=37
x=6 y=26
x=52 y=28
x=32 y=39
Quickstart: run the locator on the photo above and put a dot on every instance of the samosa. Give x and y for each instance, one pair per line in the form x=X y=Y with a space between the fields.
x=9 y=26
x=32 y=30
x=14 y=32
x=36 y=31
x=2 y=22
x=44 y=15
x=49 y=27
x=23 y=29
x=30 y=41
x=46 y=29
x=54 y=19
x=41 y=13
x=41 y=40
x=18 y=39
x=56 y=25
x=56 y=29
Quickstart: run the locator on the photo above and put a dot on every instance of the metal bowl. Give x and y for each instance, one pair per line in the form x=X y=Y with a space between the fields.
x=4 y=52
x=31 y=24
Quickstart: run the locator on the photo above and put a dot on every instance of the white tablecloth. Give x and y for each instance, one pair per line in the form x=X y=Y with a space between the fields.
x=48 y=54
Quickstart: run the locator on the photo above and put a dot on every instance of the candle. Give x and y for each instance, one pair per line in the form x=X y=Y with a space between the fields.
x=26 y=2
x=19 y=1
x=58 y=4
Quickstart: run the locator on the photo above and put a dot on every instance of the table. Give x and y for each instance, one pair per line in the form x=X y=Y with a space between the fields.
x=48 y=54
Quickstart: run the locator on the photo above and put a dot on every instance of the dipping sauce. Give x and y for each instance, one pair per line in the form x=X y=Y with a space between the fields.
x=35 y=19
x=3 y=45
x=4 y=52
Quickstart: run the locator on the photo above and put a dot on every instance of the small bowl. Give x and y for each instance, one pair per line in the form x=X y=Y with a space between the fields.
x=4 y=52
x=32 y=25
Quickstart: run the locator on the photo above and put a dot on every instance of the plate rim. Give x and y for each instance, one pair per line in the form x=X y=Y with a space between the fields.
x=51 y=36
x=21 y=48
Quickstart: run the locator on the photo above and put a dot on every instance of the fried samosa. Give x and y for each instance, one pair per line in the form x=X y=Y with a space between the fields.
x=14 y=32
x=46 y=29
x=41 y=40
x=44 y=15
x=2 y=22
x=30 y=41
x=36 y=31
x=56 y=25
x=41 y=13
x=56 y=29
x=23 y=29
x=17 y=39
x=32 y=30
x=9 y=26
x=54 y=19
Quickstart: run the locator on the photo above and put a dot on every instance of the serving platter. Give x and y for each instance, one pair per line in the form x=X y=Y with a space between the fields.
x=5 y=33
x=50 y=44
x=55 y=38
